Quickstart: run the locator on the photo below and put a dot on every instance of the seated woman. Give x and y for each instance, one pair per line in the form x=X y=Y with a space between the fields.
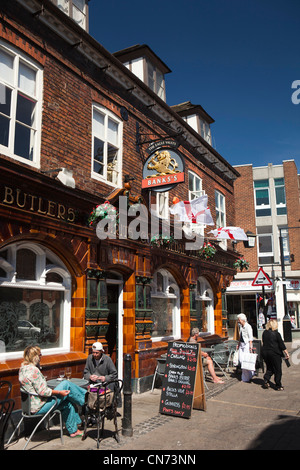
x=207 y=360
x=68 y=394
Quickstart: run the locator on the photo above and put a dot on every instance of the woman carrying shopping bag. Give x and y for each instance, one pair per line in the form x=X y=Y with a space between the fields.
x=272 y=351
x=245 y=345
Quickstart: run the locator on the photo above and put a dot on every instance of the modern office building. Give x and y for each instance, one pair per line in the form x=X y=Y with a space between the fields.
x=267 y=205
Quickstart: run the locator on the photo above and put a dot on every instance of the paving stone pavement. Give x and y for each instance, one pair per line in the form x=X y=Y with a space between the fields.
x=239 y=416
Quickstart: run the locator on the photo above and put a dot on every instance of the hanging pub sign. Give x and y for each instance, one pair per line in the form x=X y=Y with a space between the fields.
x=164 y=168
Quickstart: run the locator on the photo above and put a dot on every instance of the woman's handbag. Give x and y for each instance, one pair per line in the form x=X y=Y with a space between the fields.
x=104 y=402
x=249 y=361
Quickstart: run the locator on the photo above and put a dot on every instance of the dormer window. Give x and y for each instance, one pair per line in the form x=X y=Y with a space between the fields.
x=196 y=117
x=75 y=9
x=156 y=80
x=145 y=64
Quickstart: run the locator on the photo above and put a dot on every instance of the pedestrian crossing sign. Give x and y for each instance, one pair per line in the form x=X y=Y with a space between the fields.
x=261 y=279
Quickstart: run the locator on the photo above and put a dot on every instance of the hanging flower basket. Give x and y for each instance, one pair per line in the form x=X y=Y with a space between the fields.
x=103 y=211
x=208 y=251
x=241 y=264
x=161 y=240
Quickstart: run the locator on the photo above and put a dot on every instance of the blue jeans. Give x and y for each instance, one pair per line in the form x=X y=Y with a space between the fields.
x=67 y=405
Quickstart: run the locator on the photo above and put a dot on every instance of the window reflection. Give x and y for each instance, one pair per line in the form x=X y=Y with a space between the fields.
x=165 y=305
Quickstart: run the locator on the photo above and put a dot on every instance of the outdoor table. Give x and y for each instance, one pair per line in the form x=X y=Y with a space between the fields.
x=207 y=350
x=52 y=383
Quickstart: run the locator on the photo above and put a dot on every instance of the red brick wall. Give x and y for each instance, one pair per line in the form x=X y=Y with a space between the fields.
x=66 y=139
x=245 y=211
x=293 y=210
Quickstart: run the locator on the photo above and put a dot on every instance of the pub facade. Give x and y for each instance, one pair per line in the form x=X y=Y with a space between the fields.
x=92 y=157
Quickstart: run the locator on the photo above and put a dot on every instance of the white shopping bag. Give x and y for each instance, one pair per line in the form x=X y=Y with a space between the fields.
x=249 y=361
x=235 y=359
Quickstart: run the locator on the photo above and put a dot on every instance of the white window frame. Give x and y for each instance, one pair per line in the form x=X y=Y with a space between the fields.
x=42 y=269
x=70 y=8
x=168 y=282
x=220 y=214
x=159 y=89
x=193 y=193
x=262 y=206
x=161 y=208
x=205 y=130
x=281 y=205
x=285 y=244
x=205 y=293
x=18 y=57
x=107 y=114
x=264 y=254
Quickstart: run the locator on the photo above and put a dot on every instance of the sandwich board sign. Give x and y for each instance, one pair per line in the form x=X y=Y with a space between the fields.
x=183 y=382
x=261 y=279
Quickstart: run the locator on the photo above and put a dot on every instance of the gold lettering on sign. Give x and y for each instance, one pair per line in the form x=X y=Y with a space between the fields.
x=51 y=208
x=30 y=202
x=8 y=198
x=61 y=211
x=71 y=215
x=18 y=199
x=40 y=206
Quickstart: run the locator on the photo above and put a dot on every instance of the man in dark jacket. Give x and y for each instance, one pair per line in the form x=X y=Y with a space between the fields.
x=99 y=367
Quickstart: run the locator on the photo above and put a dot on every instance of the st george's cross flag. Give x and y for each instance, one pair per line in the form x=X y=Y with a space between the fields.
x=232 y=233
x=195 y=211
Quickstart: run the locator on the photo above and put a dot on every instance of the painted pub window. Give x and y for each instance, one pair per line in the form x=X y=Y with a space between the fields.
x=205 y=306
x=34 y=300
x=165 y=300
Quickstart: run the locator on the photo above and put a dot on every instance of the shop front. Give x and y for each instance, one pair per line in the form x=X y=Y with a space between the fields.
x=257 y=304
x=44 y=252
x=63 y=288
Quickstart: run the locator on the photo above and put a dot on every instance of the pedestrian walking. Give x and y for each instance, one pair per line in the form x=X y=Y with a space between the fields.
x=273 y=350
x=245 y=344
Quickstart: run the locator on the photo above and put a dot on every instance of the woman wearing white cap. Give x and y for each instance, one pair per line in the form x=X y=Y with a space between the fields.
x=99 y=367
x=245 y=344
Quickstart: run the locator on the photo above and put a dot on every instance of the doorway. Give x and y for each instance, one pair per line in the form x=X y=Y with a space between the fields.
x=114 y=335
x=249 y=309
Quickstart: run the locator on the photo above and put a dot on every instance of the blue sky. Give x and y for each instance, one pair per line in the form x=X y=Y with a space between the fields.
x=236 y=58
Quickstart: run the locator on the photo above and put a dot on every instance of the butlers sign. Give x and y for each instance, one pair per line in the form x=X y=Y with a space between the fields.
x=164 y=168
x=15 y=197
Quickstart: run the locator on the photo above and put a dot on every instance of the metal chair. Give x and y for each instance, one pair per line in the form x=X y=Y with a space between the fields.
x=205 y=371
x=104 y=407
x=159 y=370
x=41 y=417
x=6 y=408
x=5 y=389
x=220 y=356
x=231 y=344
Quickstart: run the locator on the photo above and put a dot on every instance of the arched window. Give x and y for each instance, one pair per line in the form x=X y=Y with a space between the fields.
x=205 y=306
x=165 y=301
x=35 y=291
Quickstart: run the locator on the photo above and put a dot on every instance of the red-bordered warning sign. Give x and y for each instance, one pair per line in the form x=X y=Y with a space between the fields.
x=261 y=279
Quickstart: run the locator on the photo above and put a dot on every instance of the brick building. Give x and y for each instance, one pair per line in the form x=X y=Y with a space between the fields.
x=267 y=202
x=77 y=125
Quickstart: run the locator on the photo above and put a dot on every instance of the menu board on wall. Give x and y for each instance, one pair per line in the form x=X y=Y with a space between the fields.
x=183 y=387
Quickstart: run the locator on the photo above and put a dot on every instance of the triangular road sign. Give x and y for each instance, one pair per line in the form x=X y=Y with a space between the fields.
x=261 y=279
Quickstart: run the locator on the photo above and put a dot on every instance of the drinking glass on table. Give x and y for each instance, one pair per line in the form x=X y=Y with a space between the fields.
x=68 y=373
x=61 y=374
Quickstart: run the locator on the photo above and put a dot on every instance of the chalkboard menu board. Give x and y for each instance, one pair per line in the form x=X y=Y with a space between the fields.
x=179 y=381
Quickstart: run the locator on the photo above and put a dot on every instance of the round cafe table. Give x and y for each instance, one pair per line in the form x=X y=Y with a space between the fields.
x=52 y=383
